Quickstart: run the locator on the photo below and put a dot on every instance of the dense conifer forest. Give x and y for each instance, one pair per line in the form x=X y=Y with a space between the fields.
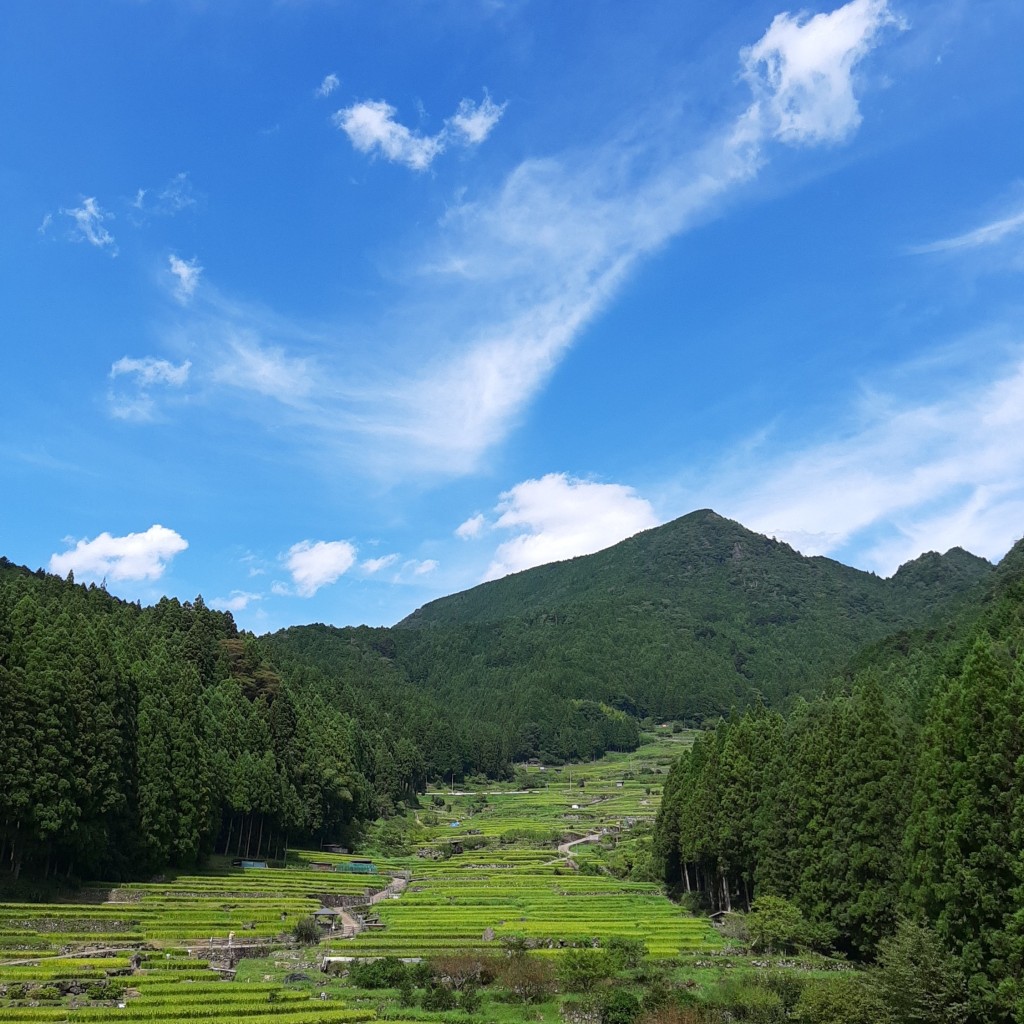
x=898 y=795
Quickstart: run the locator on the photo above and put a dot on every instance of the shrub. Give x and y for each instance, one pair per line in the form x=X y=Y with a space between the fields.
x=581 y=969
x=389 y=972
x=619 y=1007
x=625 y=954
x=515 y=945
x=470 y=999
x=406 y=993
x=528 y=979
x=775 y=925
x=463 y=970
x=787 y=985
x=439 y=998
x=745 y=1000
x=306 y=931
x=843 y=999
x=420 y=974
x=43 y=992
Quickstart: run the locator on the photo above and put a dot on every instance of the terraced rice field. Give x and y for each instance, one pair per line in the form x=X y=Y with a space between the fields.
x=254 y=904
x=516 y=883
x=453 y=909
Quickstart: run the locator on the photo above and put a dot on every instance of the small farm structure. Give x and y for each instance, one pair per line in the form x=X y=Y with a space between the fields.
x=357 y=867
x=327 y=917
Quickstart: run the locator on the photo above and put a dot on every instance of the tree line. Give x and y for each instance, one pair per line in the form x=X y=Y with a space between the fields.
x=133 y=738
x=899 y=796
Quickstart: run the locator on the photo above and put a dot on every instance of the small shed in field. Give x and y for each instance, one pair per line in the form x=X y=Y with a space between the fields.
x=357 y=867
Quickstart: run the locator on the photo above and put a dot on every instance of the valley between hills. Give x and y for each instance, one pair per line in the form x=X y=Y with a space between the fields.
x=694 y=777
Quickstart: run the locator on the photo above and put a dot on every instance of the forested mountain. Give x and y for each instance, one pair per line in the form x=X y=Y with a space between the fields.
x=681 y=622
x=137 y=737
x=900 y=793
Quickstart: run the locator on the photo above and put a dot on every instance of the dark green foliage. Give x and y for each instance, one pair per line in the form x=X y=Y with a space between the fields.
x=307 y=931
x=406 y=992
x=901 y=790
x=134 y=739
x=624 y=954
x=619 y=1006
x=964 y=866
x=388 y=972
x=917 y=980
x=437 y=997
x=470 y=1000
x=846 y=998
x=580 y=970
x=681 y=622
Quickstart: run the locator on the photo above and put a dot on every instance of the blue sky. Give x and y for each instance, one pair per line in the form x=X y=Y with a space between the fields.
x=326 y=309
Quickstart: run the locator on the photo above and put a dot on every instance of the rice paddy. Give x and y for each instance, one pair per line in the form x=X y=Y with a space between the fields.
x=486 y=867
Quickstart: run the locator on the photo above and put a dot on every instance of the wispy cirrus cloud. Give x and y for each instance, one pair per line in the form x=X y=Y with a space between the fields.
x=237 y=601
x=905 y=475
x=371 y=566
x=328 y=85
x=988 y=234
x=372 y=128
x=132 y=398
x=135 y=556
x=186 y=274
x=175 y=196
x=509 y=280
x=90 y=225
x=247 y=363
x=547 y=252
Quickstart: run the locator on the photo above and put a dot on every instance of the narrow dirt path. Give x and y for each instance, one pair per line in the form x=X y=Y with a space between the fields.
x=565 y=848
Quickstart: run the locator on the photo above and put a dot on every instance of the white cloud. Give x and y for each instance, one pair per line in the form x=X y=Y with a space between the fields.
x=134 y=401
x=559 y=517
x=543 y=256
x=801 y=70
x=44 y=225
x=150 y=371
x=474 y=123
x=988 y=234
x=137 y=556
x=374 y=565
x=186 y=274
x=905 y=477
x=314 y=564
x=328 y=85
x=371 y=127
x=176 y=195
x=237 y=602
x=512 y=278
x=89 y=220
x=471 y=528
x=267 y=370
x=421 y=568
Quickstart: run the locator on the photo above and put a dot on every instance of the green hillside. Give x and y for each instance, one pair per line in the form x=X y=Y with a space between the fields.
x=898 y=797
x=680 y=622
